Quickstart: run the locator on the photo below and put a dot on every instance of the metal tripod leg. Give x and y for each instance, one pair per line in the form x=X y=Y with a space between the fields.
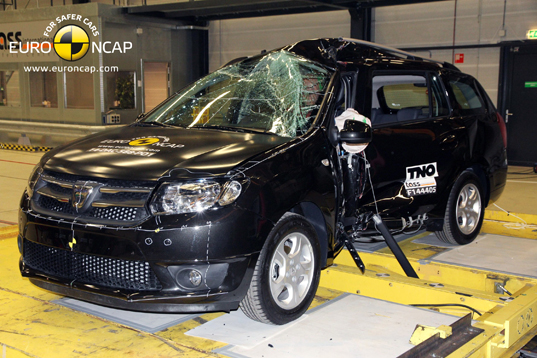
x=392 y=244
x=357 y=260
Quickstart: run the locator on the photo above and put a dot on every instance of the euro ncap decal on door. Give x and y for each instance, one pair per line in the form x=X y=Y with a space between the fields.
x=420 y=179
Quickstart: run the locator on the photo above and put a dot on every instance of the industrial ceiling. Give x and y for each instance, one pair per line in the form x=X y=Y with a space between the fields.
x=206 y=10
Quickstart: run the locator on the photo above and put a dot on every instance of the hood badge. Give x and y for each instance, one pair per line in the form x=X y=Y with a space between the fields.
x=82 y=193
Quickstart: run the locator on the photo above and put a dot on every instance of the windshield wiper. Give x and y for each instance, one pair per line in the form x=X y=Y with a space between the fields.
x=235 y=129
x=157 y=124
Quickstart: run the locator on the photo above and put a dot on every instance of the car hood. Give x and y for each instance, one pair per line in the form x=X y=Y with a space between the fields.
x=150 y=153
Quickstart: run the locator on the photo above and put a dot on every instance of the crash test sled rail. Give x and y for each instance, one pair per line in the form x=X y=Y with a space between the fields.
x=498 y=309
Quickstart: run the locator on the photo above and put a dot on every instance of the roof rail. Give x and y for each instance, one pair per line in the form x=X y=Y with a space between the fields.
x=451 y=66
x=400 y=53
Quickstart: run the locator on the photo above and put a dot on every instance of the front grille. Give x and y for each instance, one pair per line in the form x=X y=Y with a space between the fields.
x=109 y=201
x=48 y=203
x=90 y=269
x=116 y=213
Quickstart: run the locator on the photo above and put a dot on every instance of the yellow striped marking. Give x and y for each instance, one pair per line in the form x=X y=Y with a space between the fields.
x=25 y=148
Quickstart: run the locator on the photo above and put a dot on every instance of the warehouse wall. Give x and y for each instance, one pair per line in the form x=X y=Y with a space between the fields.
x=477 y=22
x=229 y=39
x=429 y=25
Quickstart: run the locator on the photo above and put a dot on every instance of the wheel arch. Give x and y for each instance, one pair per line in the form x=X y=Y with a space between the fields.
x=485 y=184
x=315 y=217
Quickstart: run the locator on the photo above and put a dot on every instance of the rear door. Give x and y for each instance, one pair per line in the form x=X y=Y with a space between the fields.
x=416 y=143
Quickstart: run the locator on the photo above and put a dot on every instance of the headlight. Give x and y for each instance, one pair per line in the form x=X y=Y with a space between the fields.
x=179 y=198
x=32 y=180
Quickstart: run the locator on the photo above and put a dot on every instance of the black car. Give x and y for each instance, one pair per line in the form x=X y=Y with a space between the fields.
x=240 y=188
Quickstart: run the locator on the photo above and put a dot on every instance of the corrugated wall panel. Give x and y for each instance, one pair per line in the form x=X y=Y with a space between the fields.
x=478 y=22
x=418 y=25
x=229 y=39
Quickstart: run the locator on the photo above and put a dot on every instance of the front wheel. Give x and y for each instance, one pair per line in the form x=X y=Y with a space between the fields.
x=287 y=273
x=464 y=211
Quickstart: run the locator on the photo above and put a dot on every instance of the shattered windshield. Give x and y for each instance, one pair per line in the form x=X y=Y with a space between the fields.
x=278 y=93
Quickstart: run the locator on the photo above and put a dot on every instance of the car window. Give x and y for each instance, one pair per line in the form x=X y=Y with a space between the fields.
x=466 y=98
x=401 y=98
x=277 y=93
x=405 y=95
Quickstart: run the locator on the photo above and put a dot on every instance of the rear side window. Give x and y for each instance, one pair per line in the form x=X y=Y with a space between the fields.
x=406 y=95
x=465 y=96
x=402 y=98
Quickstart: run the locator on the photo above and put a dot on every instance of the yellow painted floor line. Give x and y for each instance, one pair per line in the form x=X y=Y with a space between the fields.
x=8 y=232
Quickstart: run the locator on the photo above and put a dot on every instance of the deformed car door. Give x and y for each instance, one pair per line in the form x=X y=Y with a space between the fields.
x=416 y=145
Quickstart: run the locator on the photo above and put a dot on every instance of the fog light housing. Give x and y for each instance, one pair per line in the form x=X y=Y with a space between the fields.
x=198 y=278
x=189 y=278
x=195 y=277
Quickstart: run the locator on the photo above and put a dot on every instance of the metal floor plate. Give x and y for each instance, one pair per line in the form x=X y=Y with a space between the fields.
x=348 y=326
x=147 y=322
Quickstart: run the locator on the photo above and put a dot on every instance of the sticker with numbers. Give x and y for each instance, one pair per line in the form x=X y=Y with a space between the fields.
x=420 y=179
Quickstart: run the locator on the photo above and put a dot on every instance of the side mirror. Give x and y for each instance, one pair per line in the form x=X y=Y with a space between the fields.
x=355 y=132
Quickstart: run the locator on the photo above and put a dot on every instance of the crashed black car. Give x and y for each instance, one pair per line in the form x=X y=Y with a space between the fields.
x=239 y=189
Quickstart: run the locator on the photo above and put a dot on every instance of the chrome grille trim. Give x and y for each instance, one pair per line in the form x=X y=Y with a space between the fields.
x=46 y=191
x=62 y=183
x=123 y=204
x=115 y=190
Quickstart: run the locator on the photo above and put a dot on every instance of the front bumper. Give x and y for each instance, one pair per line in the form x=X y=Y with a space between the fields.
x=148 y=301
x=146 y=267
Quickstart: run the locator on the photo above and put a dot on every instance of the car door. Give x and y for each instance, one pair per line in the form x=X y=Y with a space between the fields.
x=416 y=143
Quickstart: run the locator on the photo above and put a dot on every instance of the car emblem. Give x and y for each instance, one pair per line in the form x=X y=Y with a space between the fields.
x=80 y=195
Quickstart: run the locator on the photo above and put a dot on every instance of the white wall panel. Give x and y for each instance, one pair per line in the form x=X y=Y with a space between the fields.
x=229 y=39
x=477 y=22
x=431 y=24
x=414 y=25
x=482 y=63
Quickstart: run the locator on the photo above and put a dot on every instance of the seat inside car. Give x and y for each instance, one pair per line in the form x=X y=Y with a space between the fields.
x=384 y=114
x=406 y=114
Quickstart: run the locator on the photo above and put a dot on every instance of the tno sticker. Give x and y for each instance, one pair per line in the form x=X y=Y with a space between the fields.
x=420 y=179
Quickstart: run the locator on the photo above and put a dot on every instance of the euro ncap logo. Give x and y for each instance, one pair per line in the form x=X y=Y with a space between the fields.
x=143 y=141
x=71 y=42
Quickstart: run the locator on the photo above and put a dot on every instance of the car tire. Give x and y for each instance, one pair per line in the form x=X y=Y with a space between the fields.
x=464 y=211
x=286 y=274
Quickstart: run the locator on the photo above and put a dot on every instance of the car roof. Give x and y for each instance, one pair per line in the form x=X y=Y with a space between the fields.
x=346 y=53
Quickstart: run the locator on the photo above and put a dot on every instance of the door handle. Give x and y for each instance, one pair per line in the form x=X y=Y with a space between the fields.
x=449 y=143
x=507 y=114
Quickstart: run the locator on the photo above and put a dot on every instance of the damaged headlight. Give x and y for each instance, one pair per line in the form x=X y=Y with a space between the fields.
x=32 y=180
x=179 y=198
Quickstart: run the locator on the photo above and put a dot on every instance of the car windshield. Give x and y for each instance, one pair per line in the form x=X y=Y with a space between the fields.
x=278 y=93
